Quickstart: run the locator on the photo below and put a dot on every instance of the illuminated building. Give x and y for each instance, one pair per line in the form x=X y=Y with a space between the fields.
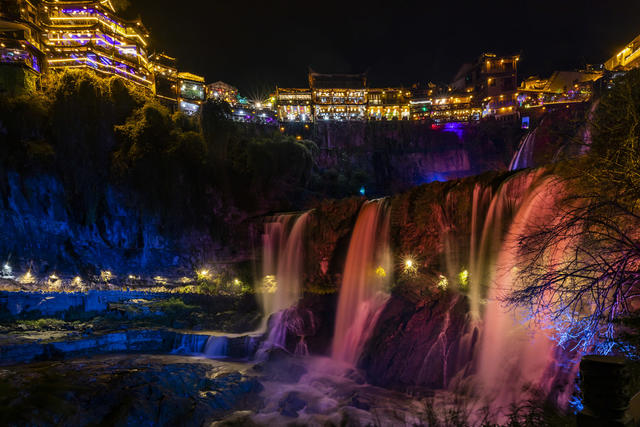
x=339 y=97
x=191 y=93
x=223 y=92
x=492 y=80
x=563 y=87
x=388 y=104
x=88 y=34
x=294 y=105
x=442 y=105
x=165 y=77
x=455 y=108
x=21 y=55
x=627 y=59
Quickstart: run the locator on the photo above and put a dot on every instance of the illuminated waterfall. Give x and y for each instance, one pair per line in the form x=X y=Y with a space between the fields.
x=366 y=274
x=523 y=158
x=282 y=270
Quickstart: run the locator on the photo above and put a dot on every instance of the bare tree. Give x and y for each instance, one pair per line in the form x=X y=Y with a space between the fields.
x=581 y=272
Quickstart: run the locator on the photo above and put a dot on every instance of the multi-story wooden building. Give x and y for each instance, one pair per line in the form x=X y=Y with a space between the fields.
x=294 y=105
x=339 y=97
x=222 y=91
x=39 y=35
x=388 y=104
x=22 y=59
x=492 y=81
x=627 y=59
x=165 y=78
x=191 y=93
x=89 y=34
x=563 y=87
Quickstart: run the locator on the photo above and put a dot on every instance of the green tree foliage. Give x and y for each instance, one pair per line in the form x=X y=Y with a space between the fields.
x=93 y=132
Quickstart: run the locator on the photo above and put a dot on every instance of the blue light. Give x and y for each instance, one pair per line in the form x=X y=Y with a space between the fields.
x=362 y=190
x=431 y=178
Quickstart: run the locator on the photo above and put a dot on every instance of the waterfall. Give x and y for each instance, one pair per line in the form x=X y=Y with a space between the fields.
x=189 y=343
x=366 y=275
x=523 y=158
x=515 y=353
x=282 y=270
x=490 y=224
x=216 y=347
x=282 y=262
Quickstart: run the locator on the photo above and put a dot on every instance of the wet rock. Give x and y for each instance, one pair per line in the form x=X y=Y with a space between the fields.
x=125 y=390
x=419 y=344
x=290 y=405
x=238 y=419
x=360 y=403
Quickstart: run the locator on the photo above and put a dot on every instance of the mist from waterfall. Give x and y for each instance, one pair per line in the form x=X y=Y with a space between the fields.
x=367 y=273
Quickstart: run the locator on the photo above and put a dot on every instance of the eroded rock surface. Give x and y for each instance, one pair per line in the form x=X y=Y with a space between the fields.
x=125 y=390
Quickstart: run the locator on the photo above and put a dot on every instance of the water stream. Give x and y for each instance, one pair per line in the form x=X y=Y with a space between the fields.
x=367 y=273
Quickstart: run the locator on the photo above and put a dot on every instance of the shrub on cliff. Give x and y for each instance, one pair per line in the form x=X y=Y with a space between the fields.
x=161 y=157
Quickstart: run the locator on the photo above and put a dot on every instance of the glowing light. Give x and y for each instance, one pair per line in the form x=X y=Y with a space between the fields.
x=269 y=284
x=27 y=278
x=410 y=267
x=203 y=274
x=443 y=282
x=463 y=278
x=7 y=271
x=106 y=275
x=160 y=279
x=380 y=272
x=53 y=277
x=237 y=282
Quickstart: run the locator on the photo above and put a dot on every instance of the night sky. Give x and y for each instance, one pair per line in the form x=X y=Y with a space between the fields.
x=256 y=45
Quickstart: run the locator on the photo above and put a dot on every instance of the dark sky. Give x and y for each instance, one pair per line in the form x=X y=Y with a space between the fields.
x=255 y=45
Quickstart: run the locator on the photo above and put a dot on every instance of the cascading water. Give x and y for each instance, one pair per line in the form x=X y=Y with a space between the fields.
x=515 y=354
x=216 y=347
x=189 y=343
x=282 y=270
x=523 y=158
x=366 y=275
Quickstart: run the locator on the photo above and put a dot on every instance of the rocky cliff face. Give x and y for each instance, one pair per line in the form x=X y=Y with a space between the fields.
x=399 y=155
x=39 y=232
x=416 y=343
